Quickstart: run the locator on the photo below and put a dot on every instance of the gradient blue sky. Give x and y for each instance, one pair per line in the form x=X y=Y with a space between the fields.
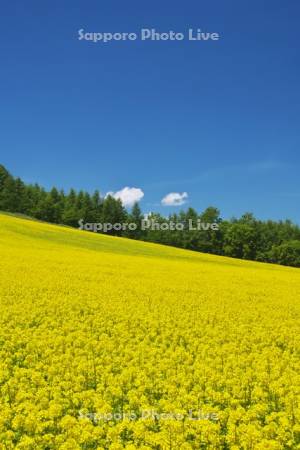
x=219 y=120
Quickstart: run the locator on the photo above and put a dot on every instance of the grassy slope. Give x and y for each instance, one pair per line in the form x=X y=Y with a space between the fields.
x=48 y=235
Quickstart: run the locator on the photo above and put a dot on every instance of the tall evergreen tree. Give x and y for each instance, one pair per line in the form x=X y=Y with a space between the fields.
x=71 y=214
x=113 y=212
x=97 y=205
x=135 y=217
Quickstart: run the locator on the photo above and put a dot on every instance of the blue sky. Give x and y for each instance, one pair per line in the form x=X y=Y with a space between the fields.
x=216 y=120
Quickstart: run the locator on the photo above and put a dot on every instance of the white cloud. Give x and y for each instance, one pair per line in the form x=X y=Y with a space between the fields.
x=127 y=195
x=175 y=199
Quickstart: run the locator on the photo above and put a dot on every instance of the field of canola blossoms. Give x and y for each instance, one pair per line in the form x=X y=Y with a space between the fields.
x=107 y=343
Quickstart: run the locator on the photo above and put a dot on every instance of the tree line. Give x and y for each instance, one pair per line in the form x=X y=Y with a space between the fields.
x=245 y=237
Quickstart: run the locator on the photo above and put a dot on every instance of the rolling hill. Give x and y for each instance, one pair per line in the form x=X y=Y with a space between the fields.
x=110 y=343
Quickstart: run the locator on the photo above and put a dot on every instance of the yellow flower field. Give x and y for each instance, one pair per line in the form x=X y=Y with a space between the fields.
x=107 y=343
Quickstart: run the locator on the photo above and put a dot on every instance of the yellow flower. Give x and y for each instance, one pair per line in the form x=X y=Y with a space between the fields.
x=113 y=344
